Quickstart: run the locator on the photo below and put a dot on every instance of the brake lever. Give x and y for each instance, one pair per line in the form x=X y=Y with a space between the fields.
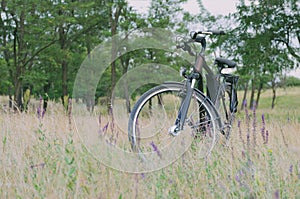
x=185 y=47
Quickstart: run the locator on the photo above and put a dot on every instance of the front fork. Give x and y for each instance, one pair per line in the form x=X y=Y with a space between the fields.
x=185 y=104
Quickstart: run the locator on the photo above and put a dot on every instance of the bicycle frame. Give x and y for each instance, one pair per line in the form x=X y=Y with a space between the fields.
x=192 y=79
x=215 y=91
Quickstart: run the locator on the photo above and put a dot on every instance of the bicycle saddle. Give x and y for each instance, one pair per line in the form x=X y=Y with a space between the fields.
x=222 y=61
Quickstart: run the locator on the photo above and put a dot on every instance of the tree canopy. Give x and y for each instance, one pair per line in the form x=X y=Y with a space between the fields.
x=43 y=43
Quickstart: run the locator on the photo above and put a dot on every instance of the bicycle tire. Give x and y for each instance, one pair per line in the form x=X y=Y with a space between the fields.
x=149 y=124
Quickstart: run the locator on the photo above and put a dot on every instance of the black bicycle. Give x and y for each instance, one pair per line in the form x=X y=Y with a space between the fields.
x=187 y=108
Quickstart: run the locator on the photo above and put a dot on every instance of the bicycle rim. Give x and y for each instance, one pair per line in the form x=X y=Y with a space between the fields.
x=156 y=111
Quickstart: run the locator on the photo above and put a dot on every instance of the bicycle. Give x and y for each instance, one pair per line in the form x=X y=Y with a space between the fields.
x=175 y=108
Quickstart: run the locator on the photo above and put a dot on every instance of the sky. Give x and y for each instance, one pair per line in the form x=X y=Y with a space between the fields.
x=213 y=6
x=216 y=7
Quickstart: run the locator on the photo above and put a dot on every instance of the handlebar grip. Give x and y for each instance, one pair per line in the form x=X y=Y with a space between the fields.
x=217 y=32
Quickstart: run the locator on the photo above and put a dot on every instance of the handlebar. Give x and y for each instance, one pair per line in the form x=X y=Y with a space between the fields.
x=194 y=34
x=199 y=39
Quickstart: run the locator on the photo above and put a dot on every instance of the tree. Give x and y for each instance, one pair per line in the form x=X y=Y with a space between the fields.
x=73 y=21
x=25 y=29
x=257 y=38
x=115 y=11
x=39 y=37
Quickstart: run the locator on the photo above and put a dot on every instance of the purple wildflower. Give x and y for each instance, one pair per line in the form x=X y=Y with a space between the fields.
x=248 y=125
x=245 y=103
x=104 y=129
x=42 y=165
x=243 y=154
x=237 y=178
x=240 y=132
x=112 y=140
x=276 y=194
x=109 y=141
x=232 y=154
x=116 y=137
x=155 y=149
x=248 y=140
x=291 y=169
x=112 y=126
x=263 y=128
x=267 y=137
x=40 y=110
x=254 y=124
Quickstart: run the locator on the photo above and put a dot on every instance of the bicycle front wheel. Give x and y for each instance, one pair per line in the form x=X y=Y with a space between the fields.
x=155 y=113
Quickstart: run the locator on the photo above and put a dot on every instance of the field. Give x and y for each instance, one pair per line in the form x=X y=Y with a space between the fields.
x=43 y=157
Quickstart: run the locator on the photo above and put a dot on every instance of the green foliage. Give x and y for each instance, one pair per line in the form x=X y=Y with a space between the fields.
x=5 y=82
x=292 y=81
x=44 y=43
x=263 y=42
x=163 y=13
x=36 y=43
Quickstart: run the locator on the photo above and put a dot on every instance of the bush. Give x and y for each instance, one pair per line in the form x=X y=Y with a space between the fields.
x=292 y=81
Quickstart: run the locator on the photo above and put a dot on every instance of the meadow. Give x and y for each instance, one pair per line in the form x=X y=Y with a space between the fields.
x=43 y=157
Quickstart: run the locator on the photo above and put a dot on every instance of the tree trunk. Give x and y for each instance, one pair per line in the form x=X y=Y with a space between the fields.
x=64 y=66
x=245 y=95
x=46 y=89
x=114 y=19
x=6 y=54
x=10 y=97
x=274 y=93
x=258 y=93
x=18 y=95
x=252 y=95
x=18 y=55
x=113 y=55
x=125 y=65
x=128 y=107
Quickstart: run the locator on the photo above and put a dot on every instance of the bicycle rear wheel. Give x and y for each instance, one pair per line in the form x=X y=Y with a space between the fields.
x=156 y=111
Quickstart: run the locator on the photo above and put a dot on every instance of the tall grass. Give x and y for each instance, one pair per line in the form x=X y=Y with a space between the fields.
x=44 y=158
